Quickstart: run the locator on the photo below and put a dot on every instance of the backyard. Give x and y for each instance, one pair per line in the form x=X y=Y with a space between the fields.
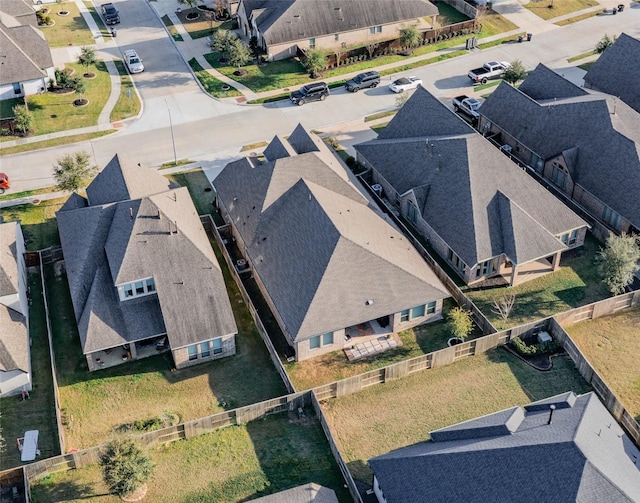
x=399 y=413
x=612 y=344
x=38 y=222
x=232 y=464
x=574 y=284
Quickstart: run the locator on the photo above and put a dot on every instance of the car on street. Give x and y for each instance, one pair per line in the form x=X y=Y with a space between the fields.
x=363 y=81
x=4 y=183
x=110 y=13
x=317 y=91
x=404 y=84
x=133 y=61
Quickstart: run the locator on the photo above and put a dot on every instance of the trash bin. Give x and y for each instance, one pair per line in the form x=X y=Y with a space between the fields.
x=529 y=37
x=620 y=7
x=521 y=38
x=614 y=11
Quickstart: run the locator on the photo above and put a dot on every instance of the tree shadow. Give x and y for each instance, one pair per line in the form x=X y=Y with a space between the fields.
x=61 y=491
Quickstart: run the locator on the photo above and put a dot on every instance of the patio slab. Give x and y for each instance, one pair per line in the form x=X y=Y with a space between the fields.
x=372 y=347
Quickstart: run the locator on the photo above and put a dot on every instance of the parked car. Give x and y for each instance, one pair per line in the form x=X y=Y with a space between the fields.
x=490 y=70
x=310 y=92
x=133 y=61
x=404 y=84
x=363 y=81
x=467 y=106
x=4 y=183
x=110 y=14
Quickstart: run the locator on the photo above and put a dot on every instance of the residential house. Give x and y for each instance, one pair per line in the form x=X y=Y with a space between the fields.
x=284 y=26
x=27 y=65
x=15 y=352
x=584 y=144
x=21 y=10
x=333 y=270
x=561 y=449
x=307 y=493
x=617 y=71
x=478 y=210
x=141 y=271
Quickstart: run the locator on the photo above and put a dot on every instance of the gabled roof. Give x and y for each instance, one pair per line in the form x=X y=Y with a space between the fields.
x=595 y=130
x=582 y=456
x=8 y=258
x=25 y=54
x=617 y=71
x=545 y=84
x=311 y=237
x=474 y=197
x=19 y=9
x=14 y=341
x=282 y=21
x=157 y=235
x=308 y=493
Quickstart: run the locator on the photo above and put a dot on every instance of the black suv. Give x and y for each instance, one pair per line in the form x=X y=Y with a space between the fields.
x=362 y=81
x=110 y=13
x=310 y=92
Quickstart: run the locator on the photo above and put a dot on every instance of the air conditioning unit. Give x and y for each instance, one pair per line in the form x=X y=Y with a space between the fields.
x=506 y=149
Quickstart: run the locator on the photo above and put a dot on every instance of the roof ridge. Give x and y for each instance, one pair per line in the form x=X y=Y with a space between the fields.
x=10 y=38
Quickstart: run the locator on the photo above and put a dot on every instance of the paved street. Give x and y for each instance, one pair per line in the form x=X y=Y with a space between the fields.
x=212 y=131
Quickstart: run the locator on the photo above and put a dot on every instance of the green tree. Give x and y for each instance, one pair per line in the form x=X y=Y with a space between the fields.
x=124 y=466
x=22 y=119
x=618 y=262
x=604 y=43
x=515 y=72
x=190 y=4
x=73 y=171
x=87 y=57
x=221 y=41
x=239 y=54
x=409 y=37
x=460 y=322
x=3 y=444
x=314 y=62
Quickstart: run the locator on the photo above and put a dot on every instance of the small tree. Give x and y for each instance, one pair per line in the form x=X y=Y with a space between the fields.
x=409 y=37
x=73 y=171
x=315 y=62
x=22 y=119
x=515 y=72
x=460 y=322
x=239 y=54
x=401 y=99
x=190 y=4
x=503 y=305
x=604 y=43
x=221 y=41
x=87 y=57
x=124 y=466
x=618 y=262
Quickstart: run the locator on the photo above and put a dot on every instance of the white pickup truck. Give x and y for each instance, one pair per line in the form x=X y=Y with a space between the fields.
x=490 y=70
x=467 y=106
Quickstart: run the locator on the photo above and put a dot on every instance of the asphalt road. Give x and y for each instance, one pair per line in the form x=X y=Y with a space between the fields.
x=213 y=132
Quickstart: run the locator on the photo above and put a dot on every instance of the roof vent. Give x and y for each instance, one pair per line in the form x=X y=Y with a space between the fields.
x=296 y=15
x=337 y=8
x=368 y=302
x=551 y=409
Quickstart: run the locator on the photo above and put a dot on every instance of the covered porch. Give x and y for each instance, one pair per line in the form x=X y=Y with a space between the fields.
x=133 y=351
x=370 y=338
x=516 y=274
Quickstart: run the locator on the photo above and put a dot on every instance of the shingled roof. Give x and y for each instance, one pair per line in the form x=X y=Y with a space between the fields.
x=22 y=11
x=317 y=246
x=25 y=53
x=617 y=71
x=593 y=130
x=113 y=239
x=474 y=197
x=308 y=493
x=282 y=21
x=515 y=455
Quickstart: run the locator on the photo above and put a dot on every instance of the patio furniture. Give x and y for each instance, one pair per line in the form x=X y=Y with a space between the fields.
x=28 y=445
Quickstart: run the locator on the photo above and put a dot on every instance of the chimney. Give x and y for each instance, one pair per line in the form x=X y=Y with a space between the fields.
x=176 y=224
x=551 y=409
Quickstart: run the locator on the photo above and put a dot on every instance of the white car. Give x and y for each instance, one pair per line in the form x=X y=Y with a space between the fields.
x=404 y=84
x=133 y=61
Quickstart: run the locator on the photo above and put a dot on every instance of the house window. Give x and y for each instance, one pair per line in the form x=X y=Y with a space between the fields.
x=327 y=338
x=450 y=255
x=431 y=307
x=217 y=346
x=136 y=289
x=312 y=43
x=455 y=260
x=336 y=37
x=192 y=352
x=404 y=315
x=314 y=342
x=537 y=163
x=412 y=213
x=204 y=349
x=570 y=239
x=17 y=88
x=378 y=29
x=418 y=311
x=139 y=287
x=611 y=217
x=559 y=177
x=375 y=29
x=128 y=290
x=151 y=285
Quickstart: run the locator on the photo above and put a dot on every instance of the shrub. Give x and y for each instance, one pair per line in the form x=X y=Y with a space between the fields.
x=541 y=348
x=460 y=322
x=350 y=161
x=124 y=466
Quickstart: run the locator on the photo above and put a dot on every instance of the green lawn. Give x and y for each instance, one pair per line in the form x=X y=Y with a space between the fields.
x=204 y=25
x=54 y=142
x=128 y=104
x=68 y=30
x=233 y=464
x=6 y=107
x=574 y=284
x=334 y=366
x=448 y=15
x=548 y=9
x=611 y=344
x=197 y=183
x=575 y=19
x=38 y=412
x=38 y=222
x=104 y=31
x=399 y=413
x=17 y=195
x=212 y=85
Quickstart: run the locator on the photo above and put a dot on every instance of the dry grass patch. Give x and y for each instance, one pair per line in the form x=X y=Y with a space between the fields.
x=385 y=417
x=549 y=9
x=612 y=345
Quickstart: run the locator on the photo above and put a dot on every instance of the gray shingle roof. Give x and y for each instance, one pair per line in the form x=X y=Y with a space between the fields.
x=582 y=456
x=545 y=84
x=617 y=71
x=117 y=241
x=308 y=493
x=21 y=10
x=595 y=130
x=25 y=54
x=8 y=258
x=319 y=249
x=474 y=197
x=14 y=341
x=282 y=21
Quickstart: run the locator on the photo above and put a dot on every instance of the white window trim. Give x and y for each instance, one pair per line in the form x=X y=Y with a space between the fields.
x=134 y=295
